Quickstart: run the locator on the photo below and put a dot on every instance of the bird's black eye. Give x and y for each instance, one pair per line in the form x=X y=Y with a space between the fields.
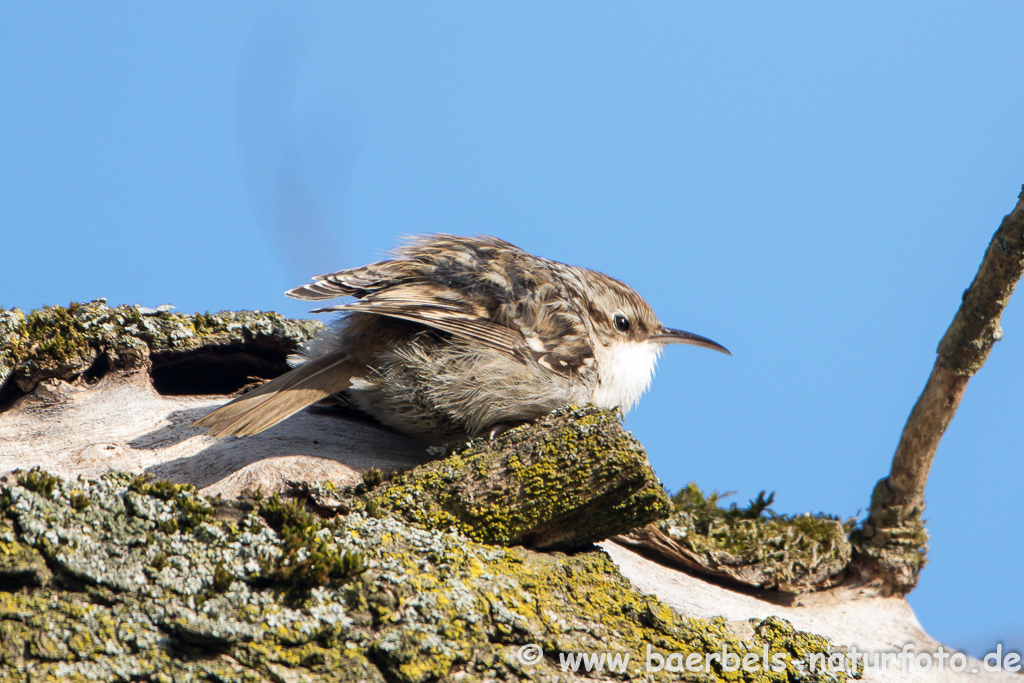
x=621 y=322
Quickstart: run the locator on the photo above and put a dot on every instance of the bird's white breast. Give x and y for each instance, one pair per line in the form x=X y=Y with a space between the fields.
x=625 y=370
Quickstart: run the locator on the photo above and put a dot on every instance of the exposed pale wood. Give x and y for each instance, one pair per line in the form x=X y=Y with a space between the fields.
x=847 y=616
x=124 y=424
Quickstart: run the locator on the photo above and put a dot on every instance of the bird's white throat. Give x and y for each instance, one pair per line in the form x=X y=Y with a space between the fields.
x=625 y=370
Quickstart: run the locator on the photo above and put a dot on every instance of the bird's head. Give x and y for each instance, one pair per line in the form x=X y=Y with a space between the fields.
x=628 y=340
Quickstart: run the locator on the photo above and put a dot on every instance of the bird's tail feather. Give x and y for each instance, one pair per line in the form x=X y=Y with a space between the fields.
x=279 y=398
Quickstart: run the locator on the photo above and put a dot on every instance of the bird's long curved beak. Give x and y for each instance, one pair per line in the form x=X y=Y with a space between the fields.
x=670 y=336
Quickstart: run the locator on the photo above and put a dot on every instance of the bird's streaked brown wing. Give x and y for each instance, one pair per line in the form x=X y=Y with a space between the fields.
x=426 y=258
x=357 y=282
x=442 y=309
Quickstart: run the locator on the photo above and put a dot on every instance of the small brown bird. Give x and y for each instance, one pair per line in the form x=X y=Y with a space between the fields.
x=463 y=336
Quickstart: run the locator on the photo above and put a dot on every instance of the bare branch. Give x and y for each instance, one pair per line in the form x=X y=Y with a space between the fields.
x=893 y=537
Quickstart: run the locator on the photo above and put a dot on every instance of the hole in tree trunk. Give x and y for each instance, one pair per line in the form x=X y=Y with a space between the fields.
x=214 y=370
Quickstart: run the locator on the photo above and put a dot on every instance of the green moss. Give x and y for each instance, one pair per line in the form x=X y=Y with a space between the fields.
x=222 y=578
x=162 y=489
x=758 y=545
x=159 y=561
x=192 y=510
x=206 y=324
x=39 y=481
x=79 y=500
x=309 y=555
x=372 y=478
x=53 y=334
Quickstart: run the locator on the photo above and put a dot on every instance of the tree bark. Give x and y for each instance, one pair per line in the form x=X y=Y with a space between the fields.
x=563 y=482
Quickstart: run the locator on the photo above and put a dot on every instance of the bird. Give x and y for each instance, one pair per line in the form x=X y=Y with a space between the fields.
x=458 y=337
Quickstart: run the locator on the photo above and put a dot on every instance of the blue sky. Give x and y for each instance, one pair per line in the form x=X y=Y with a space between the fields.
x=811 y=185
